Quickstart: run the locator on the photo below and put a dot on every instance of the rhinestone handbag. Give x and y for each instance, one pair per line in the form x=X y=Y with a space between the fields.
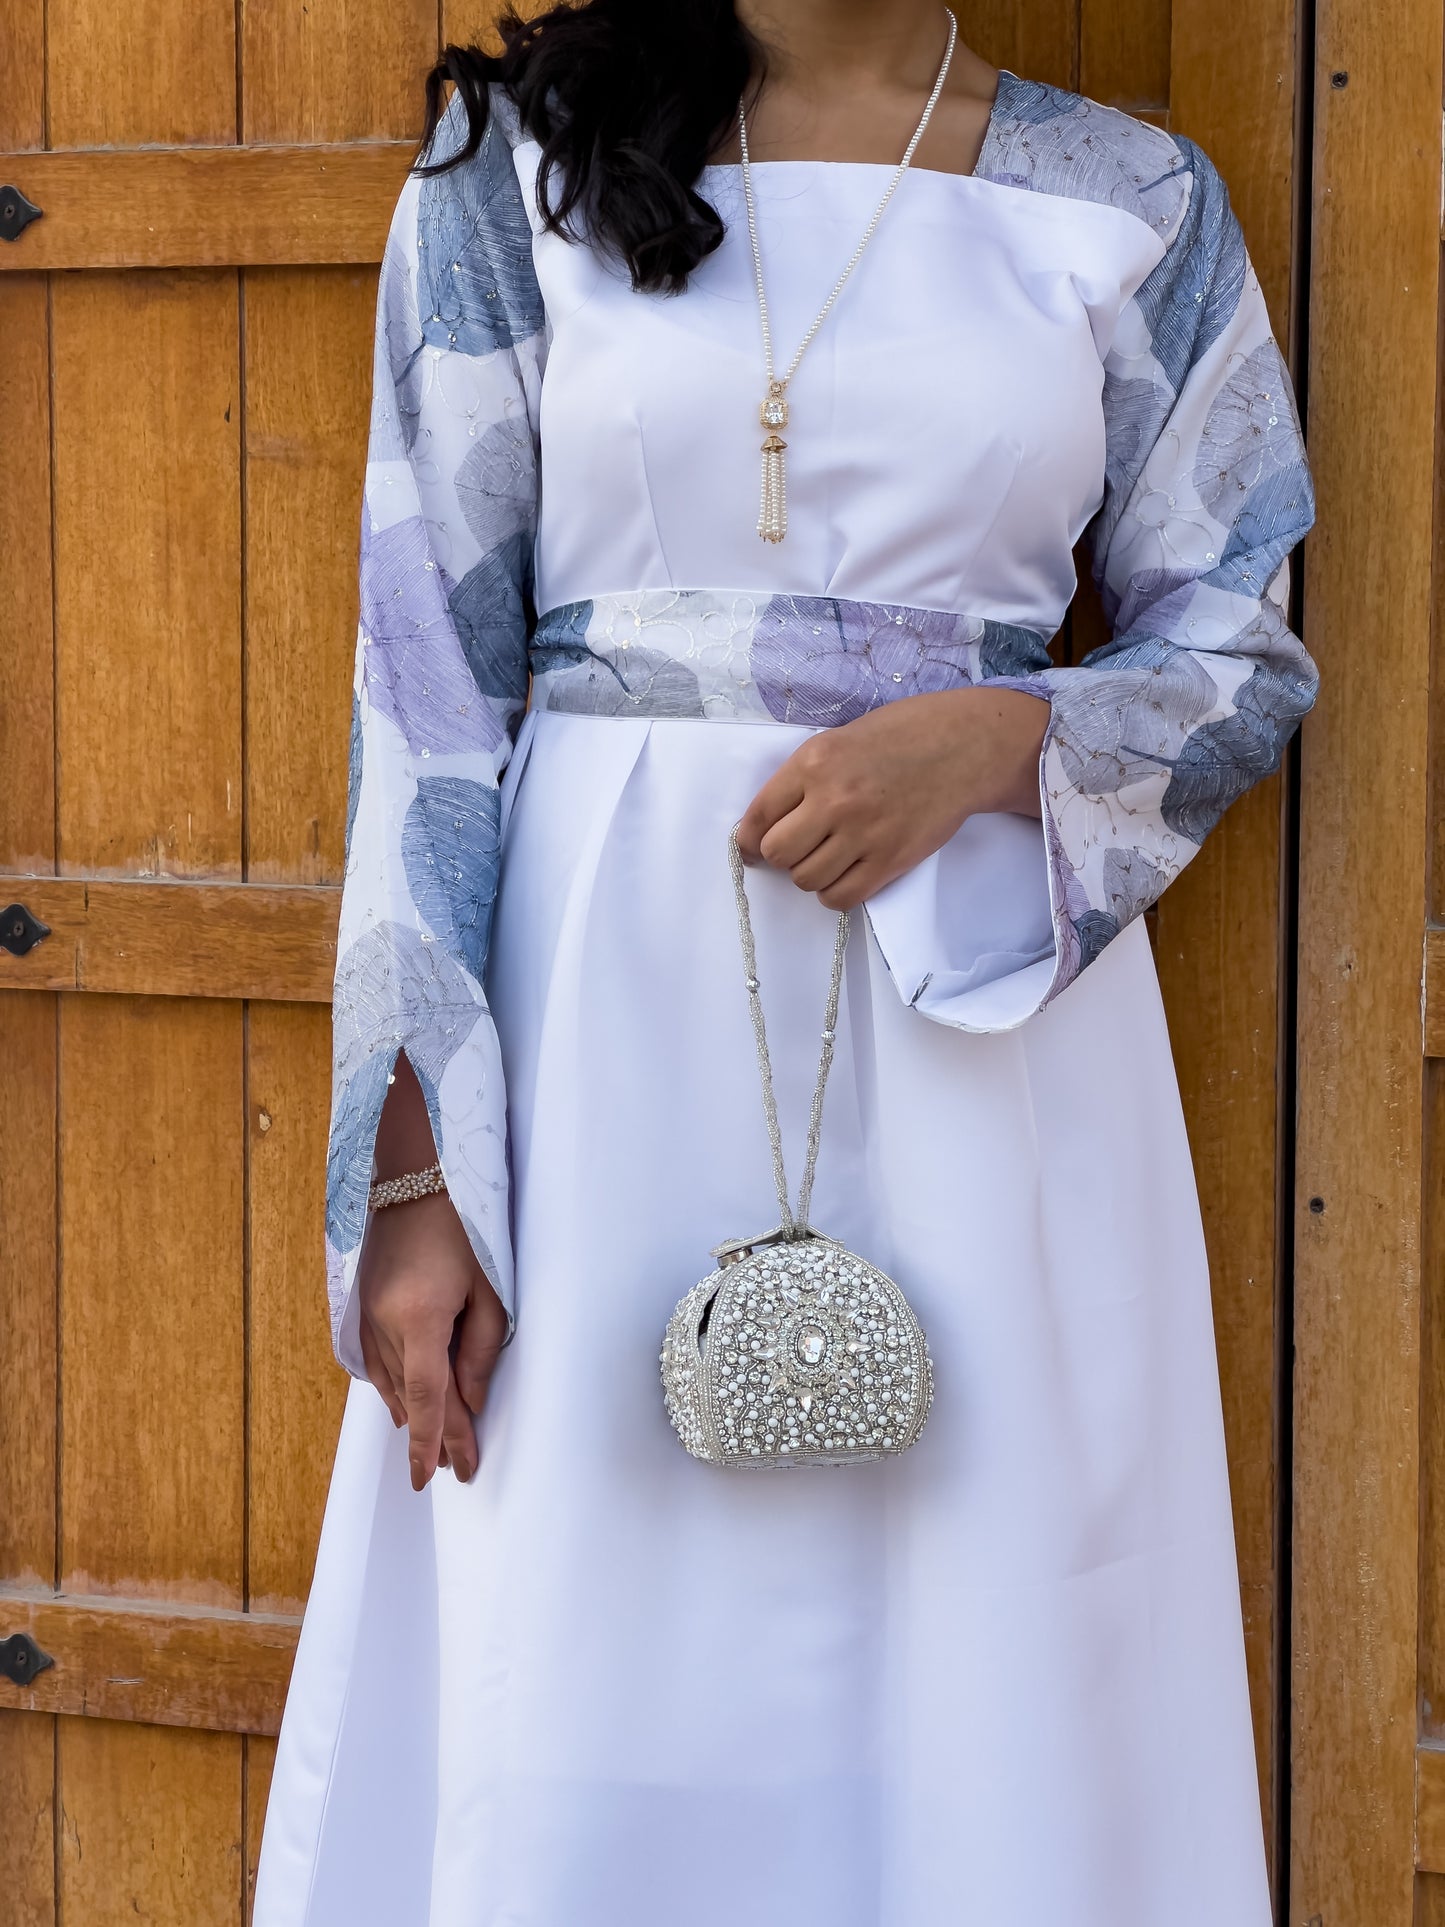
x=794 y=1351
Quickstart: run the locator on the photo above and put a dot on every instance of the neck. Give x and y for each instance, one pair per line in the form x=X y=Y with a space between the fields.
x=816 y=44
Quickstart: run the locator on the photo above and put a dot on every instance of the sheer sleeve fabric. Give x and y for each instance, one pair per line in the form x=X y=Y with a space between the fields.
x=1201 y=684
x=447 y=532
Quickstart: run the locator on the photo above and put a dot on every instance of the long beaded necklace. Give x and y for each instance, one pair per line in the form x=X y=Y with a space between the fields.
x=773 y=415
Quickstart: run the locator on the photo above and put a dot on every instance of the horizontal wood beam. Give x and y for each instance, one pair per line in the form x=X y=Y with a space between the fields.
x=1433 y=1000
x=123 y=1659
x=275 y=943
x=206 y=207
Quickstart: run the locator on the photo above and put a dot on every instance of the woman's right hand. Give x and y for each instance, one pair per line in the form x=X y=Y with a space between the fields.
x=431 y=1330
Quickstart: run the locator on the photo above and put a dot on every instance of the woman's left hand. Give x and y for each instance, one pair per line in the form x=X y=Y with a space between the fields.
x=857 y=805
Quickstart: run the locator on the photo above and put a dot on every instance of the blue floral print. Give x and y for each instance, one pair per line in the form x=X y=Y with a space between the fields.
x=1205 y=492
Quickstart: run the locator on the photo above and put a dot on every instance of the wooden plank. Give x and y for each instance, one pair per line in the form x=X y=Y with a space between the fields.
x=152 y=1826
x=1124 y=53
x=148 y=532
x=27 y=1295
x=1035 y=38
x=207 y=206
x=225 y=1672
x=22 y=73
x=1430 y=1809
x=1375 y=273
x=296 y=1391
x=1433 y=996
x=1217 y=952
x=1431 y=1658
x=27 y=1835
x=472 y=22
x=335 y=70
x=1219 y=934
x=165 y=939
x=1431 y=1650
x=150 y=70
x=260 y=1764
x=151 y=1298
x=308 y=388
x=27 y=734
x=1234 y=83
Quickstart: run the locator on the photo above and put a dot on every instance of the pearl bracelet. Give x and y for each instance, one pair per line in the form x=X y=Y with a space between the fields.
x=412 y=1184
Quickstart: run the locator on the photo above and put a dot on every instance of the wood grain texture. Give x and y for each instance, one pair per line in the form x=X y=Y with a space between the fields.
x=151 y=1298
x=148 y=555
x=150 y=70
x=206 y=207
x=1124 y=53
x=1038 y=39
x=1233 y=80
x=1216 y=949
x=176 y=939
x=1375 y=271
x=27 y=1292
x=152 y=1827
x=308 y=387
x=27 y=734
x=1433 y=1015
x=1430 y=1809
x=472 y=21
x=297 y=1394
x=1234 y=85
x=22 y=73
x=27 y=1835
x=260 y=1758
x=1432 y=1322
x=222 y=1672
x=335 y=70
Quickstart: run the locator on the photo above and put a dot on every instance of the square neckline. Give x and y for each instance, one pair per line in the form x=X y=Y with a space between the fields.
x=976 y=172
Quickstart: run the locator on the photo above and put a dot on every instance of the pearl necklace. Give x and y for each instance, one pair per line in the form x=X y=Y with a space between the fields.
x=773 y=415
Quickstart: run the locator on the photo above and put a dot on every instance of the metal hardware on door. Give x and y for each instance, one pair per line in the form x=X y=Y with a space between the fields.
x=16 y=213
x=20 y=930
x=21 y=1659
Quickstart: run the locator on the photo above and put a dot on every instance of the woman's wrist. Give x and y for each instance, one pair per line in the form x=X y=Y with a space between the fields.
x=1024 y=721
x=999 y=735
x=404 y=1141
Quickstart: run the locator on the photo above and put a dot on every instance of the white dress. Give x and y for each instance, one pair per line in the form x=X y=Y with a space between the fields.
x=1000 y=1681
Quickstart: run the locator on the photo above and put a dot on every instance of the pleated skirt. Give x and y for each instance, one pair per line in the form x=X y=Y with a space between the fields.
x=996 y=1682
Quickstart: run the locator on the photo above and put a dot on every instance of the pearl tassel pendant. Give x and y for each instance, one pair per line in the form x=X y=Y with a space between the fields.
x=773 y=507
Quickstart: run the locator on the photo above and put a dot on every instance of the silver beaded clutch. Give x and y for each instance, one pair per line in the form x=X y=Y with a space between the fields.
x=794 y=1351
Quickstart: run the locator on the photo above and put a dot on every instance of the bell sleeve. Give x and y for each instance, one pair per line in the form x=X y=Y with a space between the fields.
x=1192 y=699
x=440 y=684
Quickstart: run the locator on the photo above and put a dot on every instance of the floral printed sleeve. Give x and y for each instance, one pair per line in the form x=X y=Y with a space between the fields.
x=440 y=684
x=1202 y=683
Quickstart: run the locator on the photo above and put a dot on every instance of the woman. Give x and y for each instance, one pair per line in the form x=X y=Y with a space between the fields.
x=582 y=1680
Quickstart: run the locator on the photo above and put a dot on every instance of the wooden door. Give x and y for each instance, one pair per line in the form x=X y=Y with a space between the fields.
x=184 y=373
x=185 y=351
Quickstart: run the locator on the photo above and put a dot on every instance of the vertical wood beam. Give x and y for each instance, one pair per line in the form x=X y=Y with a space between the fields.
x=1373 y=316
x=1233 y=80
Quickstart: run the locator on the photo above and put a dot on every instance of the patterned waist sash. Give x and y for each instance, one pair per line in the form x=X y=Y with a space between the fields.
x=725 y=656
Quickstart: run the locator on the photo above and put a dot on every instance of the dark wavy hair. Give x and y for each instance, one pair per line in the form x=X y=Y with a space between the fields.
x=627 y=99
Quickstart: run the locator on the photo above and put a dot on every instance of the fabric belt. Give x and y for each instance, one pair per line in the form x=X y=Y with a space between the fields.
x=725 y=656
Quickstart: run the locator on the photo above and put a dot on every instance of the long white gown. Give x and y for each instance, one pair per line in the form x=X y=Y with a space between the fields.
x=998 y=1682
